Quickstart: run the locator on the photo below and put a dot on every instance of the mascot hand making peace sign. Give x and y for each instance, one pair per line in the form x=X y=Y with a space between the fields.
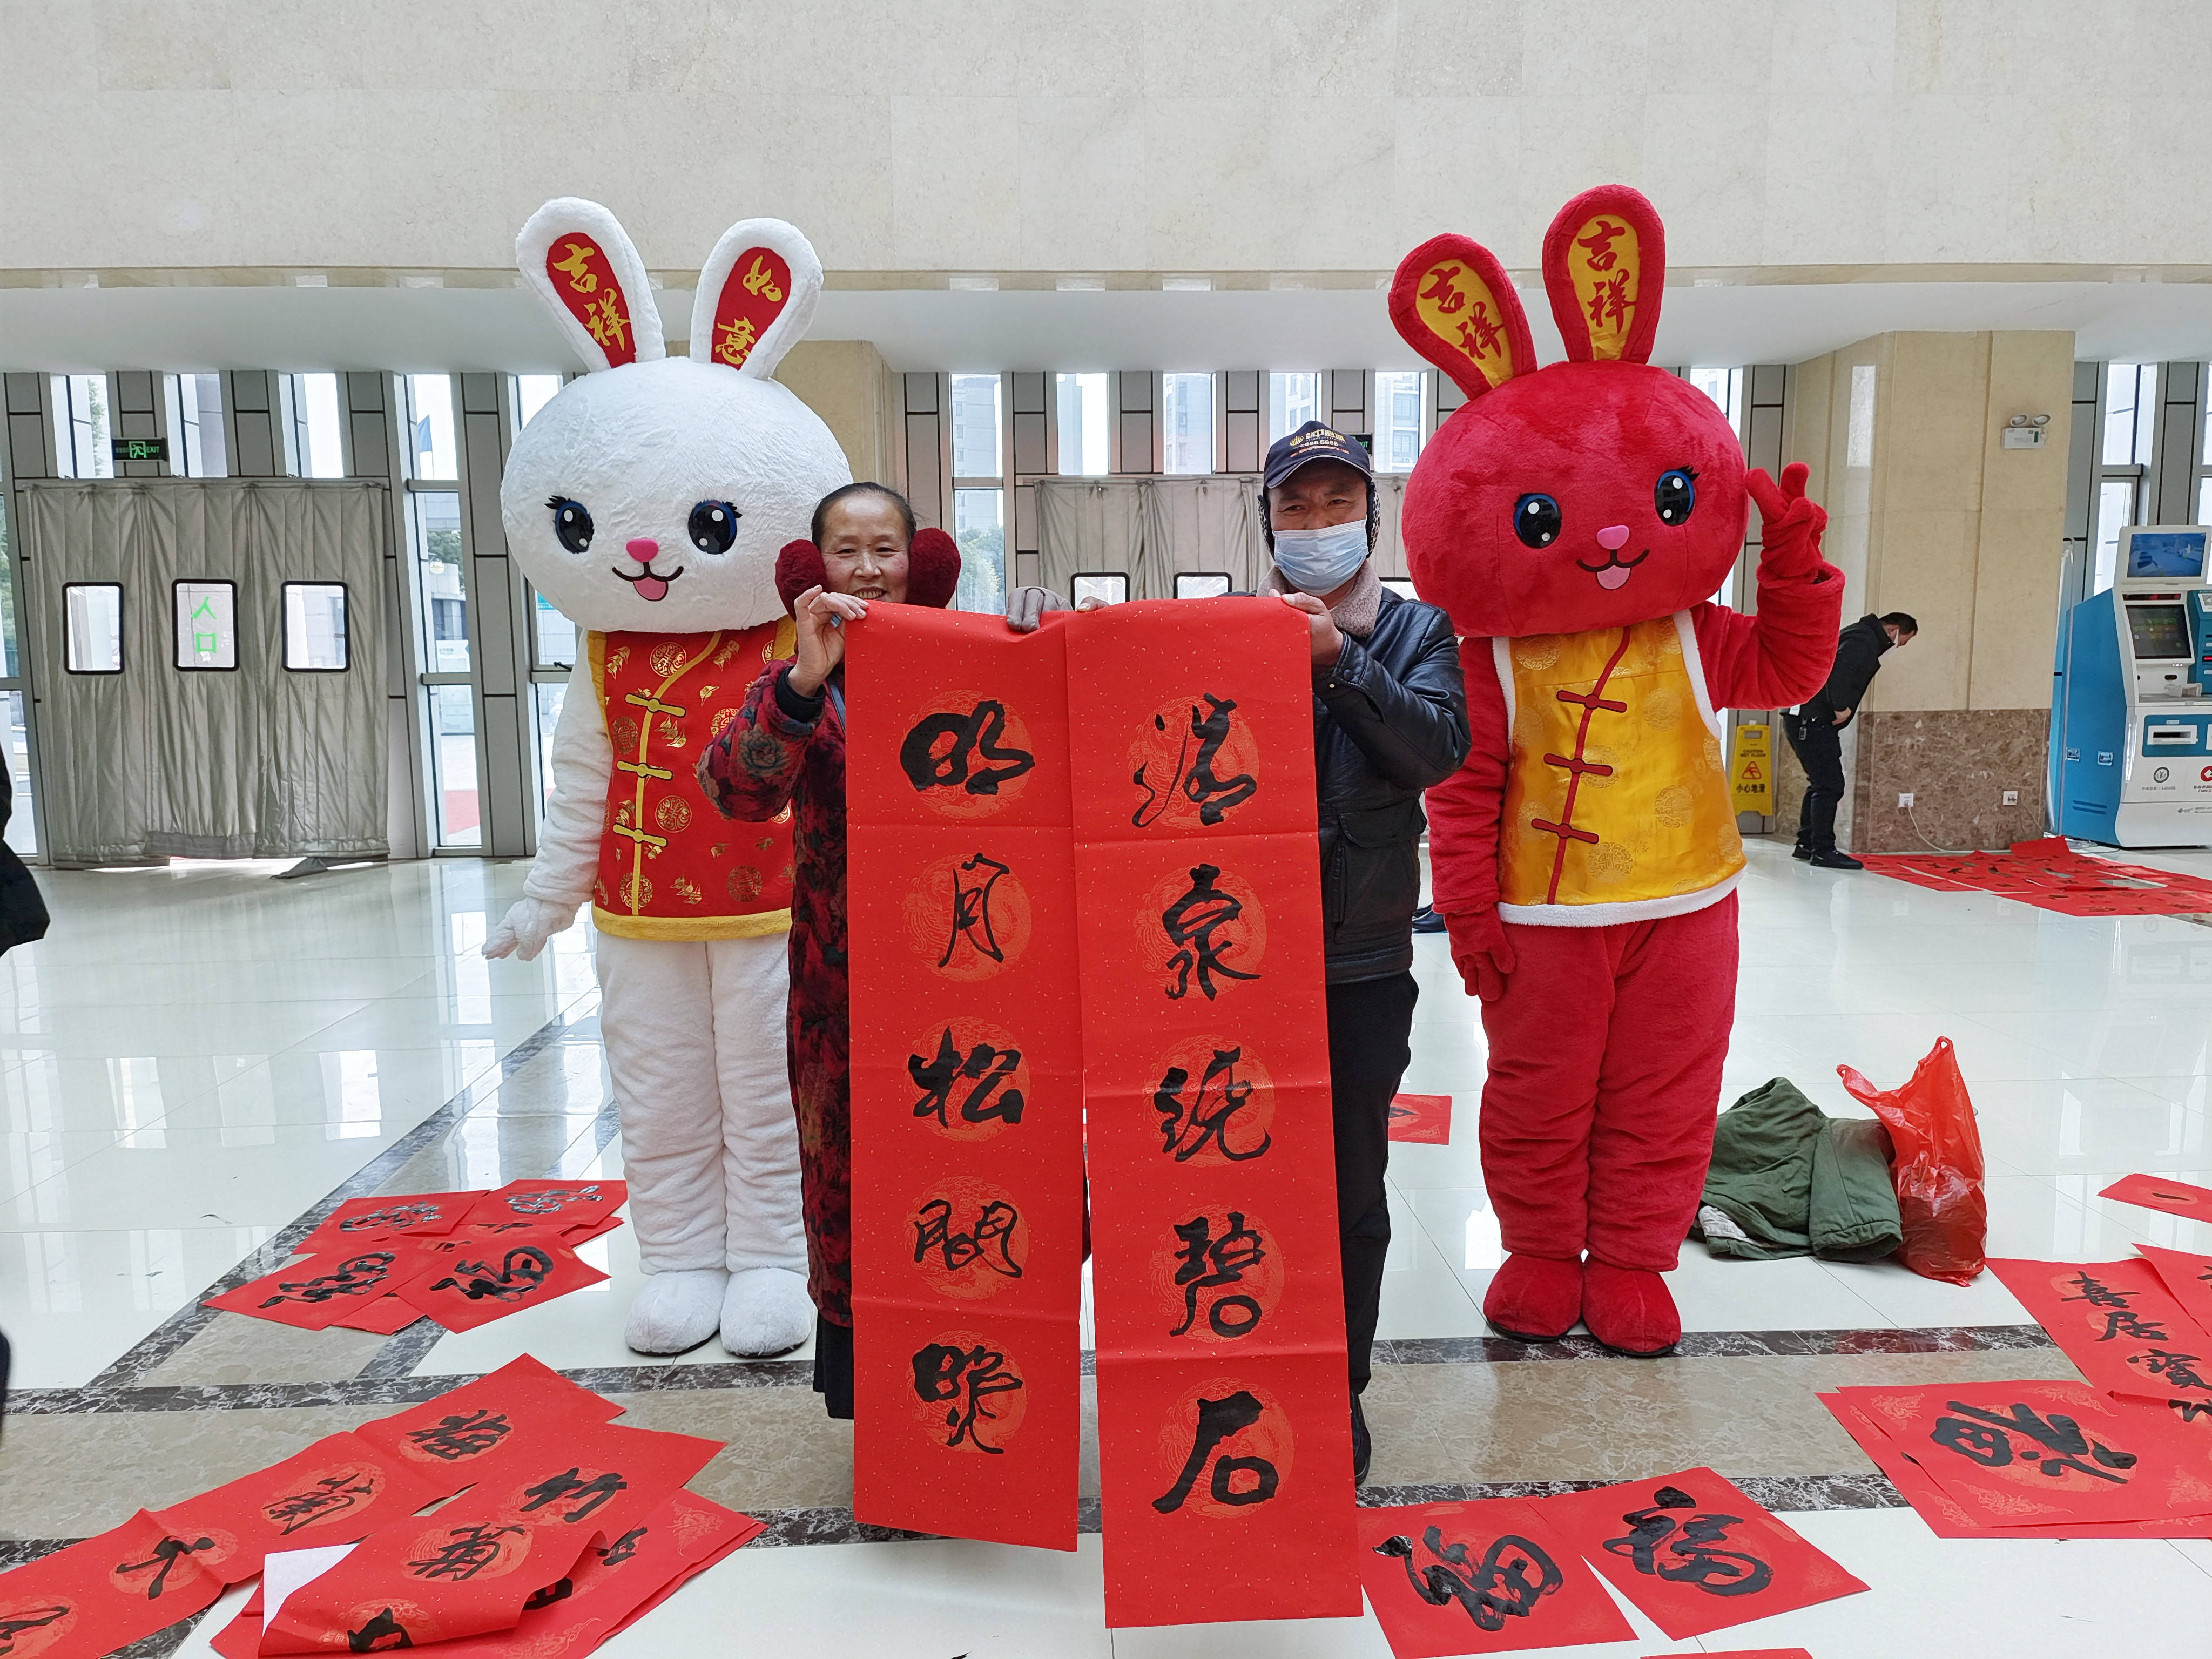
x=1574 y=520
x=647 y=501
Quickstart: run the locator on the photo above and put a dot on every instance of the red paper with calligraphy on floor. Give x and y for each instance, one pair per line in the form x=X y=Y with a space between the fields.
x=1489 y=1576
x=2180 y=1198
x=1224 y=1411
x=2050 y=876
x=2119 y=1323
x=967 y=1066
x=1423 y=1119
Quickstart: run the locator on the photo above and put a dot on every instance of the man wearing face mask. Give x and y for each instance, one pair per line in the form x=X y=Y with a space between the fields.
x=1390 y=722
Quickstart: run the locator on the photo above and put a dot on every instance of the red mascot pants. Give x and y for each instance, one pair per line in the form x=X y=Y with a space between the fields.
x=1605 y=1072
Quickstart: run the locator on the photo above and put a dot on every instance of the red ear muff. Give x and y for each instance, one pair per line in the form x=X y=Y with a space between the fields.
x=932 y=568
x=798 y=568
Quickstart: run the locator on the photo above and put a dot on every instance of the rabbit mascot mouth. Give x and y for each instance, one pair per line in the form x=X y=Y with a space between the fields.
x=1573 y=520
x=647 y=503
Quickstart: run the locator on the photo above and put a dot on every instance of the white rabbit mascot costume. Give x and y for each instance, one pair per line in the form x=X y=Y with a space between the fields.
x=648 y=501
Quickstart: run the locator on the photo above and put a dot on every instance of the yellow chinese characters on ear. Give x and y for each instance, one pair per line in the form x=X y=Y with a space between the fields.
x=1604 y=263
x=1452 y=303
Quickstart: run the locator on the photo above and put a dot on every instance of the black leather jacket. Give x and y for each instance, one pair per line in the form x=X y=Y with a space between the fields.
x=1390 y=722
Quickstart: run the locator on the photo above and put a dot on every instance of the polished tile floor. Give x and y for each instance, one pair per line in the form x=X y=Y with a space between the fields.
x=200 y=1058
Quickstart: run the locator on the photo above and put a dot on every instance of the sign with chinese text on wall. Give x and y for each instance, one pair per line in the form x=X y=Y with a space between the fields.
x=1751 y=769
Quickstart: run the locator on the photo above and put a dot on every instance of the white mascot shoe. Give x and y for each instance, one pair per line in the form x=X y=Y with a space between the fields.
x=766 y=1312
x=676 y=1312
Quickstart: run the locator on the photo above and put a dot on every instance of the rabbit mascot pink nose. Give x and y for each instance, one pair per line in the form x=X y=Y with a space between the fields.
x=1574 y=520
x=648 y=501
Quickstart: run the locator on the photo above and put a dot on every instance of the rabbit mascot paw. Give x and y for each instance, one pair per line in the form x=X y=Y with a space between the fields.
x=648 y=501
x=1573 y=520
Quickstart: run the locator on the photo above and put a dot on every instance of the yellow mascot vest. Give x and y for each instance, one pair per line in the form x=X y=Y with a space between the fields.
x=1617 y=804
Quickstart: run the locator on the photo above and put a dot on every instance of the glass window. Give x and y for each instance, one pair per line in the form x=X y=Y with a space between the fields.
x=453 y=755
x=14 y=662
x=81 y=444
x=1858 y=431
x=1725 y=388
x=979 y=526
x=1397 y=420
x=1201 y=584
x=22 y=824
x=92 y=632
x=531 y=393
x=2130 y=410
x=2116 y=510
x=1106 y=586
x=556 y=634
x=976 y=427
x=1085 y=450
x=548 y=699
x=1293 y=400
x=437 y=516
x=315 y=628
x=206 y=619
x=196 y=443
x=432 y=453
x=314 y=437
x=2204 y=508
x=1187 y=414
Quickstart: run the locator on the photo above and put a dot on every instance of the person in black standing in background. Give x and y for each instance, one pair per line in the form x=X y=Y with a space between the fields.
x=1816 y=733
x=22 y=919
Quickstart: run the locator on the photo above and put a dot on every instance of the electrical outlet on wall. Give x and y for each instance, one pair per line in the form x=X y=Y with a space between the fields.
x=1905 y=800
x=2012 y=798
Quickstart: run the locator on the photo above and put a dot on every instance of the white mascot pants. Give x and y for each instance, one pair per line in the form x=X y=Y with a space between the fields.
x=694 y=1039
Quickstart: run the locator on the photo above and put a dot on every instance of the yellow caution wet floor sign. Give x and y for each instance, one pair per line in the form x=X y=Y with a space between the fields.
x=1751 y=769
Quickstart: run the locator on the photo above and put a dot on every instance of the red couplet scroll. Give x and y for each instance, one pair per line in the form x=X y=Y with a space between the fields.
x=1223 y=1412
x=967 y=1106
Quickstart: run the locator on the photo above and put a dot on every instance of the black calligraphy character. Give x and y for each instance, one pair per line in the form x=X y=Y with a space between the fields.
x=2121 y=1321
x=2189 y=1410
x=992 y=1235
x=550 y=1201
x=972 y=735
x=16 y=1624
x=1599 y=242
x=452 y=1438
x=1208 y=1263
x=362 y=1275
x=372 y=1637
x=466 y=1552
x=1218 y=1419
x=1512 y=1577
x=334 y=1494
x=393 y=1216
x=623 y=1548
x=560 y=1590
x=943 y=1373
x=558 y=1488
x=1984 y=1437
x=1716 y=1571
x=2096 y=1293
x=971 y=910
x=1191 y=922
x=1440 y=289
x=985 y=1066
x=166 y=1554
x=1186 y=1134
x=1213 y=796
x=2179 y=1370
x=523 y=1270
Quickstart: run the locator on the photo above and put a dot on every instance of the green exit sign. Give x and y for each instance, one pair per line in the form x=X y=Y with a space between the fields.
x=140 y=449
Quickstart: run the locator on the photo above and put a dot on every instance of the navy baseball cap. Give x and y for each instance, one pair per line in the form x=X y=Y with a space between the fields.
x=1315 y=442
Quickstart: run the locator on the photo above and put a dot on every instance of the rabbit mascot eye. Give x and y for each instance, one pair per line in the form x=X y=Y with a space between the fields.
x=1574 y=521
x=648 y=501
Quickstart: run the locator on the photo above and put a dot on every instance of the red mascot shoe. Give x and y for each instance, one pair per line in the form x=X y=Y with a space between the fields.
x=1629 y=1310
x=1533 y=1298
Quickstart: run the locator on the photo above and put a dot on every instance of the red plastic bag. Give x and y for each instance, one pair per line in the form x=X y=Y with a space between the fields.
x=1937 y=1168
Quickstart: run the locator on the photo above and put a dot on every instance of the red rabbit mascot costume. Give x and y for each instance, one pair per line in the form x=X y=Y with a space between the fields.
x=1573 y=520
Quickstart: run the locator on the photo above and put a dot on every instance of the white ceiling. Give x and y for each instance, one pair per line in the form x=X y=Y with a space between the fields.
x=84 y=329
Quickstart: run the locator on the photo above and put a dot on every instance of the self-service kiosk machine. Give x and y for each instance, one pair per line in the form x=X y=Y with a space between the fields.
x=2131 y=730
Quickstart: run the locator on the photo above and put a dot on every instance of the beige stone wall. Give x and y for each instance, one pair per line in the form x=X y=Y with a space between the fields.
x=846 y=382
x=1103 y=135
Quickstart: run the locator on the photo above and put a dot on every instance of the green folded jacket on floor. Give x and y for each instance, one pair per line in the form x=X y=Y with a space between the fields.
x=1788 y=1179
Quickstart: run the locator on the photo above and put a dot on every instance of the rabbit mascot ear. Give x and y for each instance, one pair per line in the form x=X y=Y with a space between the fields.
x=757 y=292
x=578 y=260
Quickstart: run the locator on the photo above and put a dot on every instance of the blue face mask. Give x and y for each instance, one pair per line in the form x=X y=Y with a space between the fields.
x=1321 y=561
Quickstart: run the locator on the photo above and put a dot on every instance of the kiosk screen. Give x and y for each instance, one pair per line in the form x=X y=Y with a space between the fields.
x=2166 y=553
x=2159 y=631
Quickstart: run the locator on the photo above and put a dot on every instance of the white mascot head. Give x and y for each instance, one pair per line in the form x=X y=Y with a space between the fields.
x=654 y=494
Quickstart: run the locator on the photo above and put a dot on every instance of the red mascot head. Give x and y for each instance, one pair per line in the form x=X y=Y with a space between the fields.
x=1594 y=494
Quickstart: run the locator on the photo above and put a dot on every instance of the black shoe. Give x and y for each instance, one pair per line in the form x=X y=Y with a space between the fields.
x=1834 y=859
x=1801 y=851
x=1363 y=1445
x=1426 y=921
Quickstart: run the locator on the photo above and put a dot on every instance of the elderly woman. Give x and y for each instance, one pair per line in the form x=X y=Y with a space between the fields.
x=786 y=749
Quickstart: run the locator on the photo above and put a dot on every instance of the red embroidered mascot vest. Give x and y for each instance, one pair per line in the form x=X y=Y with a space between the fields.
x=670 y=867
